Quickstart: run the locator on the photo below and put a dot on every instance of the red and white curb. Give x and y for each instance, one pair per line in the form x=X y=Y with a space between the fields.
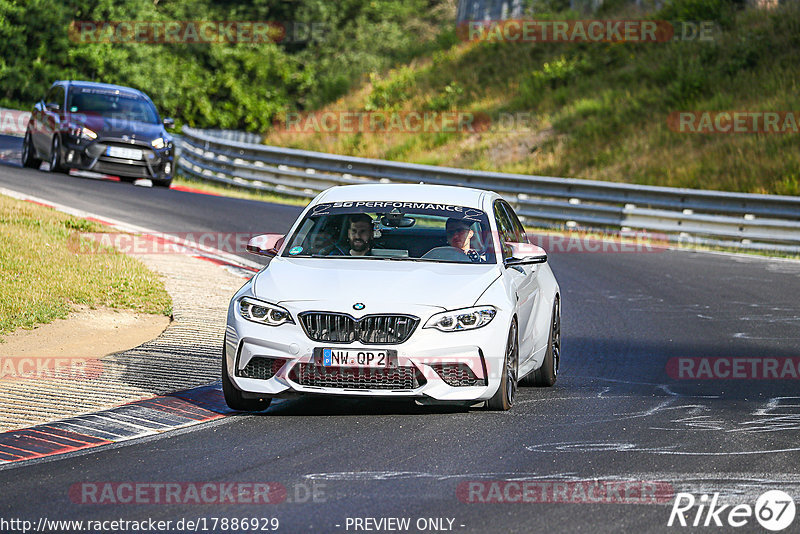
x=130 y=421
x=136 y=419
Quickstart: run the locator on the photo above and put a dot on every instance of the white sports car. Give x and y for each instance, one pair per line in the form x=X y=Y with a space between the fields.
x=388 y=290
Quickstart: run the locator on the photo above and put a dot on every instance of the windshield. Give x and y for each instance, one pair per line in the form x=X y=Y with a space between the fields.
x=406 y=231
x=112 y=104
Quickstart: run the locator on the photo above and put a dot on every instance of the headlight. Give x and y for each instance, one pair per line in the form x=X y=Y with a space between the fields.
x=263 y=312
x=84 y=133
x=463 y=319
x=158 y=143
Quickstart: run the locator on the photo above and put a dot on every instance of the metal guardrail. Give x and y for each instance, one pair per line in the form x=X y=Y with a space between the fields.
x=235 y=135
x=489 y=10
x=692 y=216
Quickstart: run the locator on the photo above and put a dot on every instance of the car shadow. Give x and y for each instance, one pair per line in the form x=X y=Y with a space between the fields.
x=313 y=405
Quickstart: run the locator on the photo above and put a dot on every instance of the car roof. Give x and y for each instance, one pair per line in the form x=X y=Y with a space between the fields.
x=436 y=194
x=96 y=85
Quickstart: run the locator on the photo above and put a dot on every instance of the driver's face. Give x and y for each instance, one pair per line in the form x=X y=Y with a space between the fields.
x=360 y=235
x=461 y=238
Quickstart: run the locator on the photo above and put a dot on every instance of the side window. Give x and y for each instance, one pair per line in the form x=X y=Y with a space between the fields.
x=50 y=98
x=55 y=96
x=505 y=228
x=302 y=235
x=519 y=230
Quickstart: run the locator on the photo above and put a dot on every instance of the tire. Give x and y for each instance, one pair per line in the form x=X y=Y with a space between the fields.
x=503 y=399
x=29 y=158
x=233 y=397
x=162 y=183
x=546 y=375
x=127 y=179
x=55 y=157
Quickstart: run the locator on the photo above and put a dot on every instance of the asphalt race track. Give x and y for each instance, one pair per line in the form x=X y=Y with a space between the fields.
x=618 y=413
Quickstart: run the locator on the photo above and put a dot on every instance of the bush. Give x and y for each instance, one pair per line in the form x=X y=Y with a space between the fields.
x=240 y=86
x=446 y=99
x=391 y=92
x=697 y=10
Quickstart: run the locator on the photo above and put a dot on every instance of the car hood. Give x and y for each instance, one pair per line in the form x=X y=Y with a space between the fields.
x=381 y=285
x=109 y=127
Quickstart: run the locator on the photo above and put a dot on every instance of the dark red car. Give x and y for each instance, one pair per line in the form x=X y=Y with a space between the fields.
x=102 y=128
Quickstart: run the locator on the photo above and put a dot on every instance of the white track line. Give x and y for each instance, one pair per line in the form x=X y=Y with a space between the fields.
x=191 y=248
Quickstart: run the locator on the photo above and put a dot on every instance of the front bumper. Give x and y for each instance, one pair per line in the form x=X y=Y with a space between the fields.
x=92 y=156
x=267 y=361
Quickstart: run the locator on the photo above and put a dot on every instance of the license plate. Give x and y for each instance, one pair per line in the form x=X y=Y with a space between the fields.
x=124 y=153
x=355 y=358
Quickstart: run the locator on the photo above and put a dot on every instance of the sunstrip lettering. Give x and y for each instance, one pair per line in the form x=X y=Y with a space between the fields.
x=409 y=205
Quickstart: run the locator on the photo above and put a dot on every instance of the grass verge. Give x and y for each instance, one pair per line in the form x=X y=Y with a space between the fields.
x=598 y=111
x=237 y=192
x=41 y=275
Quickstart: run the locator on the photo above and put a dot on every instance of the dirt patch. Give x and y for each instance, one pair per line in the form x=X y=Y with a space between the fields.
x=85 y=334
x=55 y=378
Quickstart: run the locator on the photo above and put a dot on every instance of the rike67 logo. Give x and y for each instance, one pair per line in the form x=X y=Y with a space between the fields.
x=774 y=510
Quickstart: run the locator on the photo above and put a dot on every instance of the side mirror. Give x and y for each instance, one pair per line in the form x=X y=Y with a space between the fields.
x=525 y=254
x=266 y=244
x=169 y=123
x=52 y=106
